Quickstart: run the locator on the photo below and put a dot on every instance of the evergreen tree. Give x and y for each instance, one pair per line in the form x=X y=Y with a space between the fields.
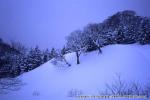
x=64 y=50
x=34 y=58
x=24 y=64
x=46 y=56
x=53 y=53
x=144 y=37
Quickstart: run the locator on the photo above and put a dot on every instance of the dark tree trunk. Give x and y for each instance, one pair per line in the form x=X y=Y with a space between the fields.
x=99 y=49
x=77 y=54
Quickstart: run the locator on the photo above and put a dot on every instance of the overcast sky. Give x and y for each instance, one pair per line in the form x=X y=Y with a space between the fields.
x=47 y=22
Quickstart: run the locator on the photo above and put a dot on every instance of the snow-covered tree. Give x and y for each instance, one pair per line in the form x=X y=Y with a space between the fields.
x=19 y=47
x=46 y=56
x=76 y=43
x=53 y=53
x=64 y=50
x=121 y=28
x=91 y=33
x=34 y=58
x=95 y=36
x=10 y=60
x=23 y=63
x=144 y=37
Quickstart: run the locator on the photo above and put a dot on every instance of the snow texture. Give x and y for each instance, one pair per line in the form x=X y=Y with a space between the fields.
x=49 y=82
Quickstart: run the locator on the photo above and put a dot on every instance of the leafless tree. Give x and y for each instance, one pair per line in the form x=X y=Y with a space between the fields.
x=121 y=87
x=118 y=87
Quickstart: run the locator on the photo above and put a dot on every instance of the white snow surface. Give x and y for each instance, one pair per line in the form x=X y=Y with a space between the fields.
x=49 y=82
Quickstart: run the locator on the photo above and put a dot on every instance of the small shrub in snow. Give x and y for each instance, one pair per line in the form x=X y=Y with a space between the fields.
x=121 y=88
x=36 y=93
x=74 y=93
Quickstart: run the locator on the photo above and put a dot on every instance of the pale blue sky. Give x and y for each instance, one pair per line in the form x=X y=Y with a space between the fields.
x=47 y=22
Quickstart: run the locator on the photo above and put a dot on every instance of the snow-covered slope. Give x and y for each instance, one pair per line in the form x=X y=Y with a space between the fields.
x=49 y=82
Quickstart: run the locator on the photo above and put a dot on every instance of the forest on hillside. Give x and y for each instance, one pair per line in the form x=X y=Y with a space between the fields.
x=124 y=27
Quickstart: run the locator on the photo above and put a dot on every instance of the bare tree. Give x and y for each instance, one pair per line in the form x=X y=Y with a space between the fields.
x=121 y=88
x=118 y=87
x=146 y=90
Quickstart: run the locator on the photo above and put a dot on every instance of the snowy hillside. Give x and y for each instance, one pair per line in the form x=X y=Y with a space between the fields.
x=49 y=82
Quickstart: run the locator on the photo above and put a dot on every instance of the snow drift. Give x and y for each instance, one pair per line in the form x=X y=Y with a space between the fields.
x=49 y=82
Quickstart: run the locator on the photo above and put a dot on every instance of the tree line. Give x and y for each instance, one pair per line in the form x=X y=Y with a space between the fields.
x=124 y=27
x=16 y=59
